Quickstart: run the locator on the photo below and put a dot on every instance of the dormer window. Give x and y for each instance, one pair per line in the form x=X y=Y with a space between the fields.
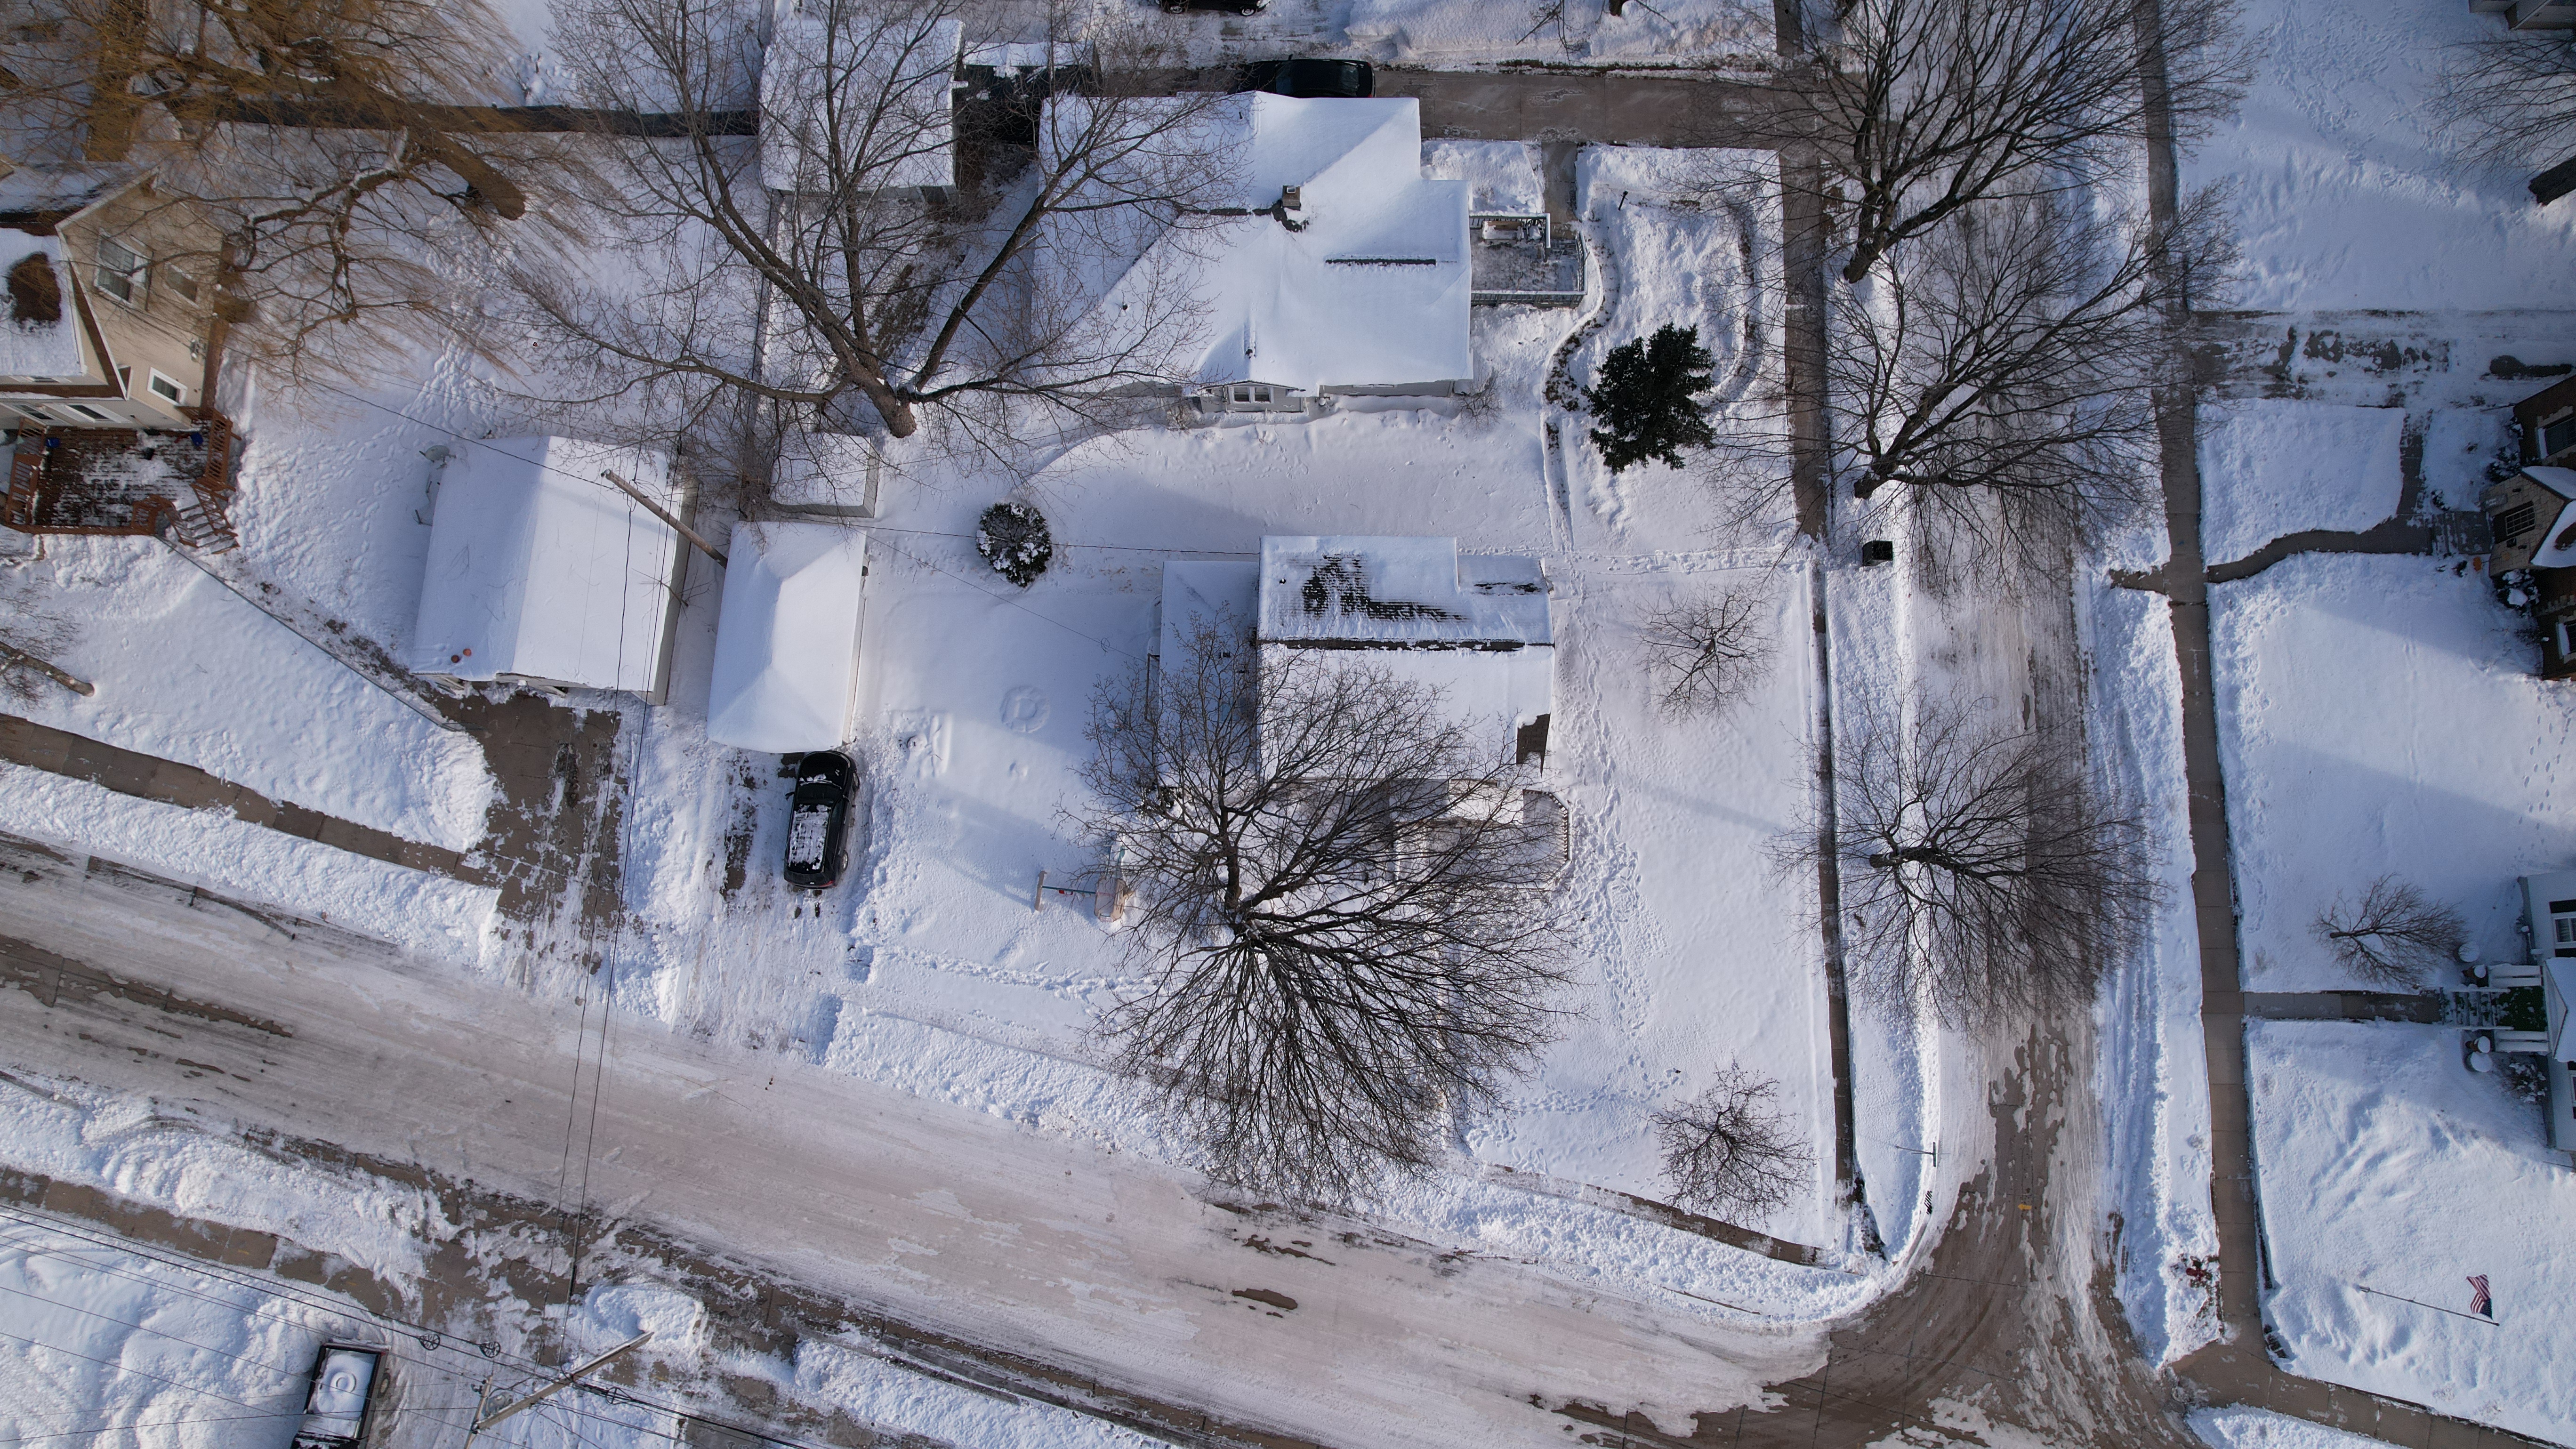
x=121 y=271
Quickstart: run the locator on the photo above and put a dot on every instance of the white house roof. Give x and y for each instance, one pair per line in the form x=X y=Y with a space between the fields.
x=1399 y=593
x=787 y=641
x=541 y=569
x=1475 y=628
x=2558 y=982
x=40 y=349
x=1371 y=288
x=884 y=88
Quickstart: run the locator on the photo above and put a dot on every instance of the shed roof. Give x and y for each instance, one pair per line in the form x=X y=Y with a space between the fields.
x=541 y=569
x=787 y=640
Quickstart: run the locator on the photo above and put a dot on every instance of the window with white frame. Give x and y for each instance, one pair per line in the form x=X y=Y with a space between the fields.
x=121 y=271
x=166 y=388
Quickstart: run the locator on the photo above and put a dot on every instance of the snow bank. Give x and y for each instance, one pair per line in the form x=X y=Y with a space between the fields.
x=2153 y=1075
x=2261 y=1429
x=2345 y=197
x=2379 y=715
x=2271 y=468
x=2385 y=1164
x=430 y=914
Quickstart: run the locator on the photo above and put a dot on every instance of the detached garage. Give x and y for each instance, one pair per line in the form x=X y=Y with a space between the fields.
x=787 y=642
x=545 y=574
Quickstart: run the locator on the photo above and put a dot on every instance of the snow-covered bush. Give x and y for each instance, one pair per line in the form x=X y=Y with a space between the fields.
x=1014 y=539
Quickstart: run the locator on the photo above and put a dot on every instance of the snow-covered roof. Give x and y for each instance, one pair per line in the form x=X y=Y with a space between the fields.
x=1399 y=593
x=1202 y=594
x=2557 y=548
x=56 y=192
x=1474 y=627
x=1364 y=283
x=541 y=569
x=877 y=94
x=40 y=349
x=2561 y=481
x=787 y=641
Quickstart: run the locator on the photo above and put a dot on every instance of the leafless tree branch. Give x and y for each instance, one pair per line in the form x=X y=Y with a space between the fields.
x=1342 y=911
x=1982 y=871
x=2509 y=99
x=1705 y=650
x=1920 y=109
x=826 y=263
x=2394 y=935
x=1727 y=1151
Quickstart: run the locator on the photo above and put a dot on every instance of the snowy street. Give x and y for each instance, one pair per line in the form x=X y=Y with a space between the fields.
x=1123 y=1275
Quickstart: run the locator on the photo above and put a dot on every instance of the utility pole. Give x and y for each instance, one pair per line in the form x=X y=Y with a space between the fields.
x=483 y=1421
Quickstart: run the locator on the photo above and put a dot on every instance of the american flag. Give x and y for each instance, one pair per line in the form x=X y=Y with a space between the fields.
x=2479 y=1301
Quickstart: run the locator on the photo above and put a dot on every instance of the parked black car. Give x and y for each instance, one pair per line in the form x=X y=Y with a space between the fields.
x=818 y=820
x=1239 y=7
x=1350 y=79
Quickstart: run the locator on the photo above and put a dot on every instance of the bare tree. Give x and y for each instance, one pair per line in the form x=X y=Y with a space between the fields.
x=342 y=153
x=1981 y=870
x=830 y=262
x=1341 y=916
x=2394 y=935
x=1705 y=650
x=1725 y=1150
x=2015 y=351
x=1919 y=109
x=2509 y=99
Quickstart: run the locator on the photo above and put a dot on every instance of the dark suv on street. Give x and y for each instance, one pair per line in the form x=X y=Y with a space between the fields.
x=1311 y=79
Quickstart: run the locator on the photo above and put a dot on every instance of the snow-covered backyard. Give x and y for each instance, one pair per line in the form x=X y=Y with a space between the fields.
x=2391 y=1173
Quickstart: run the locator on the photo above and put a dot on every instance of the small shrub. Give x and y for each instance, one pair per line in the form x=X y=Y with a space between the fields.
x=1014 y=539
x=1645 y=399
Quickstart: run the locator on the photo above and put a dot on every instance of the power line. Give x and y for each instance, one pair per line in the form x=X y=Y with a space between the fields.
x=155 y=1332
x=126 y=1369
x=154 y=1424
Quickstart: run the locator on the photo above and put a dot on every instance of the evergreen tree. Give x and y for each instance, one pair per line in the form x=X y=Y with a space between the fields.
x=1644 y=398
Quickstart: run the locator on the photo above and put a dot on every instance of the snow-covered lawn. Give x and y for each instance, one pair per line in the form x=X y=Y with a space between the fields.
x=2385 y=1164
x=2270 y=468
x=2380 y=716
x=186 y=670
x=2345 y=197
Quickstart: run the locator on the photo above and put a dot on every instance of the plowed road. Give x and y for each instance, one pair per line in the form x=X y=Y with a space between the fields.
x=939 y=1216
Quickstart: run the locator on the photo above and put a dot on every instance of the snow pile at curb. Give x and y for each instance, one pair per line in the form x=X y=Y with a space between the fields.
x=2260 y=1429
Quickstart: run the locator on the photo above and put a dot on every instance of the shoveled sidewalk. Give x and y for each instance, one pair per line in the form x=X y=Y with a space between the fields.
x=148 y=777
